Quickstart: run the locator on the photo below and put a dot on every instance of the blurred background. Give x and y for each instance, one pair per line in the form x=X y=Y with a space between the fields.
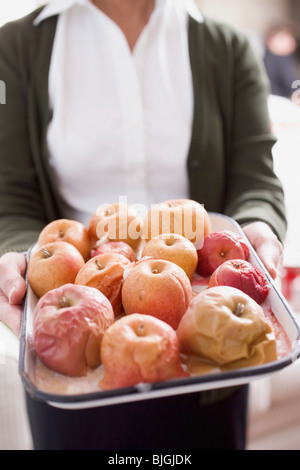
x=273 y=26
x=13 y=9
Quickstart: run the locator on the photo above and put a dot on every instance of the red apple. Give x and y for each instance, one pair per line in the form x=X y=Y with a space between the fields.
x=222 y=325
x=69 y=231
x=242 y=275
x=139 y=348
x=116 y=247
x=116 y=222
x=183 y=216
x=175 y=248
x=218 y=247
x=52 y=265
x=159 y=288
x=68 y=327
x=105 y=273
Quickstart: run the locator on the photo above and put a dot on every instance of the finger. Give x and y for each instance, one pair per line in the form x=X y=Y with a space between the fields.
x=17 y=292
x=10 y=314
x=12 y=282
x=271 y=257
x=267 y=246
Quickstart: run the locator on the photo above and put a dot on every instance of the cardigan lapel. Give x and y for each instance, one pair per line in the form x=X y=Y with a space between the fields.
x=195 y=37
x=40 y=113
x=206 y=156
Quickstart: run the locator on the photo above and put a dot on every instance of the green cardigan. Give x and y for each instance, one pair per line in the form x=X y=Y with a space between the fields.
x=229 y=163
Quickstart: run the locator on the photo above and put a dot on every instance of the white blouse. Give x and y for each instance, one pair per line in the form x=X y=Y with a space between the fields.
x=121 y=123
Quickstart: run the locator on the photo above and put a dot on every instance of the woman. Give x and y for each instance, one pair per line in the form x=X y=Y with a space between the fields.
x=151 y=100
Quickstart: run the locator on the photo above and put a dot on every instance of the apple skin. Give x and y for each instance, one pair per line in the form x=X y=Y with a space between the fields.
x=242 y=275
x=117 y=247
x=68 y=326
x=139 y=349
x=105 y=273
x=67 y=230
x=159 y=288
x=183 y=216
x=53 y=265
x=221 y=325
x=218 y=247
x=116 y=222
x=173 y=247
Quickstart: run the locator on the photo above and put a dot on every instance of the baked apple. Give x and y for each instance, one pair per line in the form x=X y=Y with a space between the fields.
x=223 y=325
x=105 y=273
x=218 y=247
x=68 y=327
x=183 y=216
x=116 y=247
x=242 y=275
x=116 y=222
x=69 y=231
x=159 y=288
x=138 y=349
x=175 y=248
x=52 y=265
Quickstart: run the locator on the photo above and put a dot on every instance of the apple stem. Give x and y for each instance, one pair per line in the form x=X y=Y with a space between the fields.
x=64 y=302
x=46 y=253
x=60 y=234
x=155 y=271
x=239 y=309
x=237 y=265
x=99 y=265
x=141 y=330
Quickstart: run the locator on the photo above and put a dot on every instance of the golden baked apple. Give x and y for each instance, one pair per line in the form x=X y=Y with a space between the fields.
x=52 y=265
x=175 y=248
x=224 y=325
x=183 y=216
x=69 y=231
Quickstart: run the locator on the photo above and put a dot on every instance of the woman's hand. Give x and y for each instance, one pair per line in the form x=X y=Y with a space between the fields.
x=267 y=246
x=12 y=289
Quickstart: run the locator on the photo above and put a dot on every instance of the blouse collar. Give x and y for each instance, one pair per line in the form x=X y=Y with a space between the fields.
x=56 y=7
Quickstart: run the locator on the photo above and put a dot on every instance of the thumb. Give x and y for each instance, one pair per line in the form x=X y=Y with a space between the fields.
x=12 y=282
x=267 y=246
x=271 y=258
x=17 y=292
